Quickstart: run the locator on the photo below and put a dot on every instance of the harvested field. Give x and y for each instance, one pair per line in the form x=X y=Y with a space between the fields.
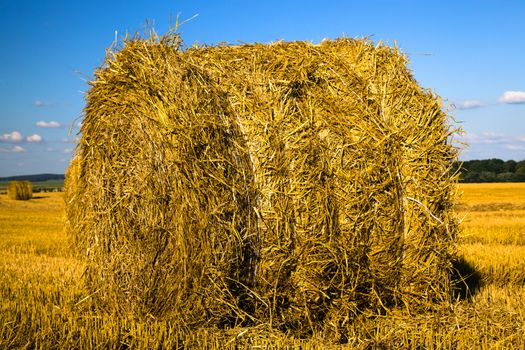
x=46 y=305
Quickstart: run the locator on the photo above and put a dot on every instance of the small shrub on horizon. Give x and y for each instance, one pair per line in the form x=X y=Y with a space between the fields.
x=20 y=190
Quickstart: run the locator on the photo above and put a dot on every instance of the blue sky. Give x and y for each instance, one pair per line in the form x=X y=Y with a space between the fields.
x=471 y=53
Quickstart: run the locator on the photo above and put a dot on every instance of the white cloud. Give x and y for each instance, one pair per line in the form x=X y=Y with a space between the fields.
x=51 y=124
x=67 y=150
x=516 y=144
x=492 y=134
x=71 y=140
x=513 y=97
x=34 y=138
x=14 y=149
x=14 y=136
x=468 y=104
x=485 y=138
x=514 y=147
x=496 y=142
x=41 y=104
x=492 y=145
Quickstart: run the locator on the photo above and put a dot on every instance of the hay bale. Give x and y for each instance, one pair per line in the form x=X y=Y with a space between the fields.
x=298 y=184
x=19 y=190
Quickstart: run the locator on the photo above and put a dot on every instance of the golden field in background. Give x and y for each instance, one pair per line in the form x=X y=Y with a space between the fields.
x=493 y=231
x=43 y=303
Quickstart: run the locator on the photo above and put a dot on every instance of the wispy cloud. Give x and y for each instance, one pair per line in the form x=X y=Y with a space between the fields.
x=491 y=145
x=513 y=97
x=51 y=124
x=515 y=147
x=34 y=138
x=468 y=104
x=14 y=136
x=516 y=144
x=67 y=150
x=485 y=138
x=14 y=149
x=71 y=139
x=41 y=104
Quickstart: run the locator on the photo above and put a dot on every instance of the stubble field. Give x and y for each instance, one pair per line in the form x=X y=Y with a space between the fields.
x=43 y=303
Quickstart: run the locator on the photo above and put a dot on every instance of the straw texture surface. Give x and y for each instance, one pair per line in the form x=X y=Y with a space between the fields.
x=291 y=184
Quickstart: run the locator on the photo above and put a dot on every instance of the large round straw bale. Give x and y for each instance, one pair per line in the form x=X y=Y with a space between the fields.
x=296 y=184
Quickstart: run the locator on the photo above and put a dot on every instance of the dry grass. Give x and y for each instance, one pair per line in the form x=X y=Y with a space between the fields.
x=33 y=227
x=493 y=231
x=499 y=264
x=493 y=213
x=45 y=305
x=473 y=195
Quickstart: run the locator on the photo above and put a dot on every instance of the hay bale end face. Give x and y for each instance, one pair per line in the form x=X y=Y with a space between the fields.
x=163 y=196
x=293 y=184
x=19 y=190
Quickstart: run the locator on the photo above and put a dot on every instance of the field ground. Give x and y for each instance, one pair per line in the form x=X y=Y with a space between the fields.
x=43 y=304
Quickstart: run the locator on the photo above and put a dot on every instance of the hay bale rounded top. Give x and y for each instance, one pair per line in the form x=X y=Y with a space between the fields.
x=289 y=183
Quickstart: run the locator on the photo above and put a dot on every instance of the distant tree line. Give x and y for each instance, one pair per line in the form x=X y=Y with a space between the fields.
x=485 y=170
x=491 y=170
x=34 y=178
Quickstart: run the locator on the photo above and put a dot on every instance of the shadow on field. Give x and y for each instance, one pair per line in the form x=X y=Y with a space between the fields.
x=467 y=280
x=39 y=197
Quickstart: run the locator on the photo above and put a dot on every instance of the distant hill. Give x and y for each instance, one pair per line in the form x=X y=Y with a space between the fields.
x=34 y=178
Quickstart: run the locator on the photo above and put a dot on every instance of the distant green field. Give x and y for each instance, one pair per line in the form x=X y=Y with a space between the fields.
x=38 y=186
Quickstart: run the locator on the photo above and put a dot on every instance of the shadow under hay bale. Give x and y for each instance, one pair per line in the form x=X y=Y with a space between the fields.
x=466 y=279
x=292 y=184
